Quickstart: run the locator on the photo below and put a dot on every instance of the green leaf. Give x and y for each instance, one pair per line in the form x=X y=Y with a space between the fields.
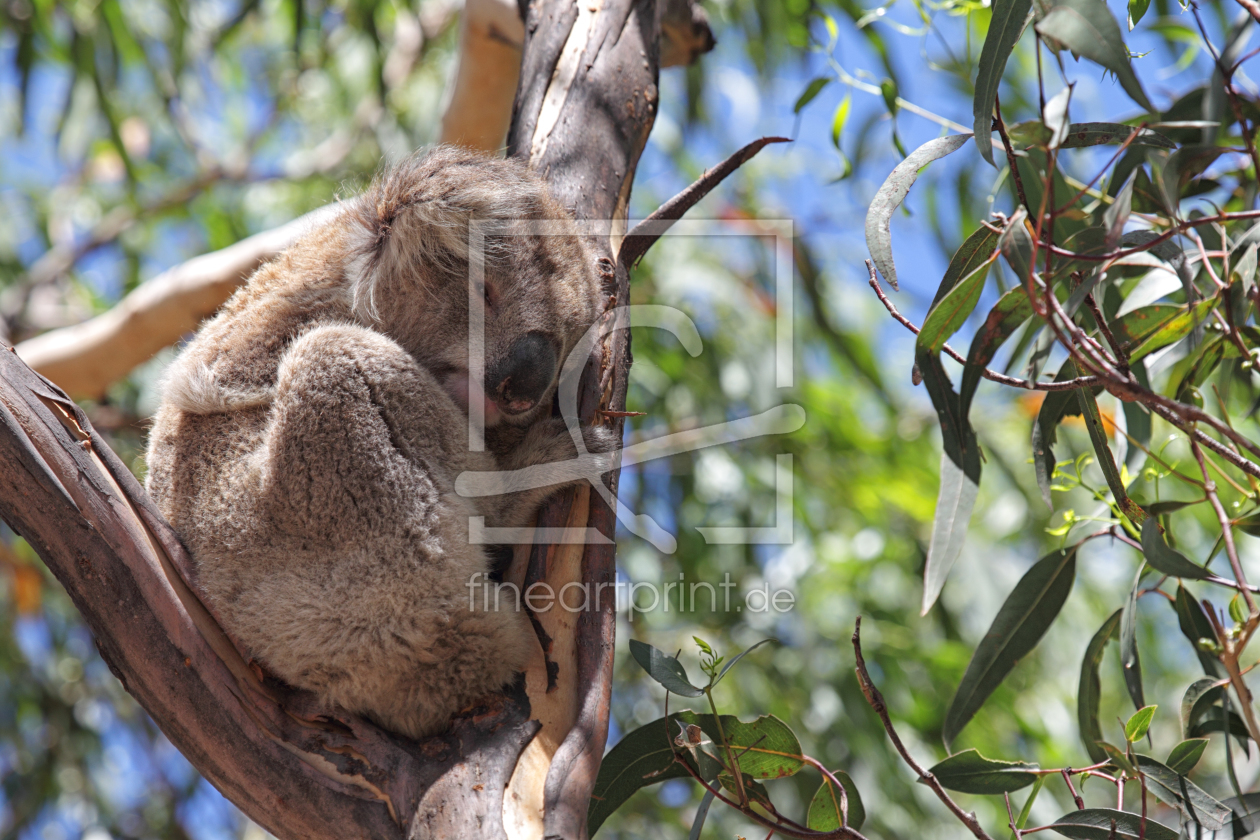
x=1186 y=755
x=1165 y=559
x=1215 y=720
x=663 y=668
x=970 y=772
x=1097 y=824
x=1055 y=406
x=765 y=748
x=1199 y=697
x=1055 y=116
x=1020 y=623
x=1175 y=790
x=839 y=118
x=824 y=808
x=893 y=192
x=1179 y=168
x=1137 y=9
x=1236 y=610
x=697 y=825
x=975 y=251
x=728 y=665
x=1129 y=660
x=954 y=308
x=1006 y=23
x=1195 y=625
x=1117 y=215
x=960 y=478
x=1137 y=724
x=1175 y=328
x=1118 y=757
x=1089 y=693
x=1016 y=245
x=1006 y=316
x=1106 y=460
x=642 y=757
x=1087 y=28
x=811 y=91
x=1080 y=135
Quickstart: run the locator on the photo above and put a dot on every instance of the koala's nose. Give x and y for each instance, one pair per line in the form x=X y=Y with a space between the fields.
x=518 y=380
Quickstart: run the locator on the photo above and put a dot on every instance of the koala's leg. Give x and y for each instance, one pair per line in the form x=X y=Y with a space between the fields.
x=376 y=612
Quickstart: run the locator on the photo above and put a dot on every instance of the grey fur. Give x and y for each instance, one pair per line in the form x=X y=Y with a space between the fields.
x=310 y=435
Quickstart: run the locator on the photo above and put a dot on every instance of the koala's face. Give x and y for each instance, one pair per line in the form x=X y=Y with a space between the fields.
x=537 y=294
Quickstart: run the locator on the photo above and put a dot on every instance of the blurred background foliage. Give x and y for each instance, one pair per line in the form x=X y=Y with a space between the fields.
x=137 y=134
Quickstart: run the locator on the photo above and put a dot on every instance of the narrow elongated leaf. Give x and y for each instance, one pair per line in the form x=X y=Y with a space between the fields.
x=728 y=665
x=1199 y=697
x=1007 y=22
x=1161 y=282
x=1087 y=28
x=1081 y=135
x=952 y=310
x=970 y=772
x=1195 y=625
x=1089 y=693
x=1106 y=460
x=1216 y=720
x=825 y=810
x=1165 y=559
x=1055 y=406
x=1099 y=823
x=1129 y=659
x=663 y=668
x=1117 y=215
x=960 y=478
x=975 y=250
x=1020 y=623
x=811 y=91
x=1184 y=756
x=839 y=118
x=1139 y=722
x=1016 y=245
x=1055 y=116
x=1244 y=822
x=1137 y=8
x=893 y=192
x=1006 y=316
x=702 y=813
x=1175 y=328
x=1195 y=805
x=1181 y=167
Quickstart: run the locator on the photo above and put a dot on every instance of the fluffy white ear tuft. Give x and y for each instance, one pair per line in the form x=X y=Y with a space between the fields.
x=192 y=387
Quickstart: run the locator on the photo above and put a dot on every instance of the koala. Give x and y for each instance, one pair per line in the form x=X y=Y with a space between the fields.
x=310 y=435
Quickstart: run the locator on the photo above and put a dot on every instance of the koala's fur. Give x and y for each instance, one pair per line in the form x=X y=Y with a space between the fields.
x=309 y=438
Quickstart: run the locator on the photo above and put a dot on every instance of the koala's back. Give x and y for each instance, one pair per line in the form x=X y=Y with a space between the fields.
x=308 y=462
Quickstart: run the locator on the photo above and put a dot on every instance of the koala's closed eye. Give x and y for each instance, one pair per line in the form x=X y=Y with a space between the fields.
x=311 y=469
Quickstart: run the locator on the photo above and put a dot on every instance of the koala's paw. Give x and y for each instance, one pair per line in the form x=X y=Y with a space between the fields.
x=602 y=442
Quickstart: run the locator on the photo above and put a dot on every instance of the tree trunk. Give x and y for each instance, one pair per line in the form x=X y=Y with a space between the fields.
x=520 y=767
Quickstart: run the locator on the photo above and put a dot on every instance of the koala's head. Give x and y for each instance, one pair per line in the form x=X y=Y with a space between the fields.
x=410 y=274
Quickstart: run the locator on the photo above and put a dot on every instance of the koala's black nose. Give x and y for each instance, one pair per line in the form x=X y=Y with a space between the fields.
x=518 y=380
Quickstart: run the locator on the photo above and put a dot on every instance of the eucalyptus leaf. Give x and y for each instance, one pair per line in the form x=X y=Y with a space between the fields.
x=1138 y=723
x=811 y=91
x=1199 y=697
x=1195 y=625
x=1006 y=23
x=893 y=191
x=1183 y=757
x=1194 y=803
x=1130 y=662
x=1106 y=824
x=1011 y=311
x=663 y=668
x=824 y=809
x=1165 y=559
x=1089 y=692
x=702 y=812
x=970 y=772
x=1020 y=623
x=1087 y=28
x=740 y=656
